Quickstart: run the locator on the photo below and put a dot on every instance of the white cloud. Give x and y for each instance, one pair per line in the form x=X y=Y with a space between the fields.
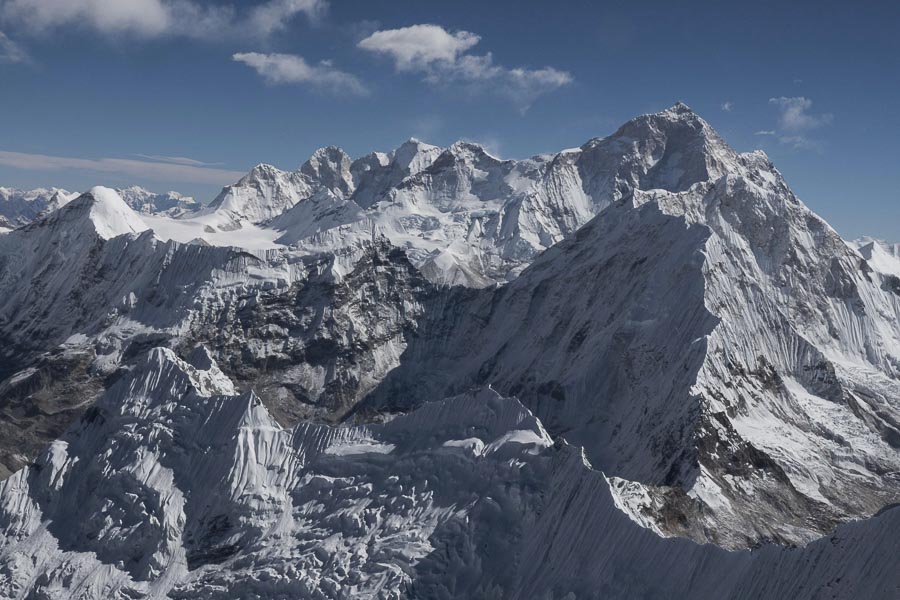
x=289 y=68
x=764 y=132
x=442 y=58
x=795 y=114
x=156 y=18
x=11 y=52
x=419 y=46
x=728 y=106
x=159 y=171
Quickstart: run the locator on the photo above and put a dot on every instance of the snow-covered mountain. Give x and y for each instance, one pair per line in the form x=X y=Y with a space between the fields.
x=729 y=365
x=882 y=256
x=20 y=207
x=89 y=287
x=173 y=486
x=720 y=348
x=462 y=215
x=171 y=204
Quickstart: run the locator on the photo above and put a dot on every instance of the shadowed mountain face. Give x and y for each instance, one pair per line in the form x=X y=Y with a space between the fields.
x=720 y=354
x=605 y=326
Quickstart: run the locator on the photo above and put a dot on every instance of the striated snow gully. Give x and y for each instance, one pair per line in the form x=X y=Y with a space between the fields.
x=729 y=365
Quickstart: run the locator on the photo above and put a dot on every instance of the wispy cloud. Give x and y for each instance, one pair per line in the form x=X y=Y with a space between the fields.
x=727 y=106
x=492 y=145
x=178 y=160
x=443 y=57
x=426 y=127
x=796 y=121
x=289 y=68
x=764 y=132
x=273 y=16
x=158 y=18
x=139 y=169
x=800 y=142
x=795 y=115
x=11 y=52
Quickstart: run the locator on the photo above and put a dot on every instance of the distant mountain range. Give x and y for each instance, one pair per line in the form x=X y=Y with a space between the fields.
x=20 y=207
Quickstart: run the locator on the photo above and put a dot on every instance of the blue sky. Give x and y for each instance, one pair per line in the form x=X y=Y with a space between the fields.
x=98 y=92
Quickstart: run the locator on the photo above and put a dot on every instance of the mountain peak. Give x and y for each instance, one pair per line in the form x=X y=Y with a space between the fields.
x=107 y=213
x=261 y=172
x=473 y=150
x=680 y=108
x=414 y=155
x=331 y=167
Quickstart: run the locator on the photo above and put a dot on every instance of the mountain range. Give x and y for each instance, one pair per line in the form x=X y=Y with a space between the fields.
x=435 y=373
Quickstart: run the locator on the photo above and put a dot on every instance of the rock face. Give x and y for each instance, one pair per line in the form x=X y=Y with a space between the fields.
x=642 y=340
x=81 y=302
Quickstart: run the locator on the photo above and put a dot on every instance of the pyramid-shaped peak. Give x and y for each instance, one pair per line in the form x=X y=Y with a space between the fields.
x=261 y=172
x=680 y=108
x=106 y=212
x=677 y=124
x=414 y=155
x=264 y=169
x=472 y=149
x=415 y=143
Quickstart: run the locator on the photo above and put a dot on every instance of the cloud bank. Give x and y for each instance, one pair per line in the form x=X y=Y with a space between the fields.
x=159 y=171
x=158 y=18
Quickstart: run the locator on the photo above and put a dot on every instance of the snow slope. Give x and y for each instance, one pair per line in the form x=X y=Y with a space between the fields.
x=171 y=486
x=882 y=256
